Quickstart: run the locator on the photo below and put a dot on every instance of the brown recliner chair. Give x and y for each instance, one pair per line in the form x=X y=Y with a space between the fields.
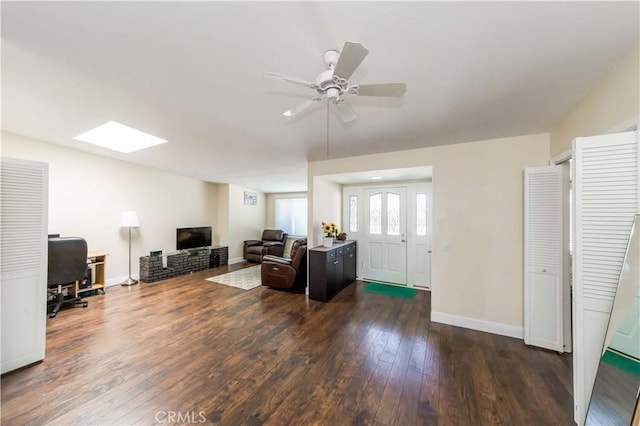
x=287 y=273
x=272 y=243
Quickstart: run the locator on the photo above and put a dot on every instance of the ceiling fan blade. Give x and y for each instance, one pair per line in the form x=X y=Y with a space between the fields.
x=345 y=112
x=395 y=90
x=275 y=76
x=351 y=57
x=302 y=107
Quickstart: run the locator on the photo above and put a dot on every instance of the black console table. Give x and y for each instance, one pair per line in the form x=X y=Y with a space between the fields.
x=156 y=268
x=331 y=269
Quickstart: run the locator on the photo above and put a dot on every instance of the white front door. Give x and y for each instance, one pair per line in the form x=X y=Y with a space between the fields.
x=385 y=234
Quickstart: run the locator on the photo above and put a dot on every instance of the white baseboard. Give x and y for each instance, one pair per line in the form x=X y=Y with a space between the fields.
x=480 y=325
x=236 y=260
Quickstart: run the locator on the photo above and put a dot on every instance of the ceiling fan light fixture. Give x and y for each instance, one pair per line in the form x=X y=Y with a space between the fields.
x=333 y=93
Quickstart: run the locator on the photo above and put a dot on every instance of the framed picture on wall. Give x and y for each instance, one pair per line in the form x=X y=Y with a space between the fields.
x=250 y=198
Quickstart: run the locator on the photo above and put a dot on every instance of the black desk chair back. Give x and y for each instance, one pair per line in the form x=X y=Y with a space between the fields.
x=67 y=264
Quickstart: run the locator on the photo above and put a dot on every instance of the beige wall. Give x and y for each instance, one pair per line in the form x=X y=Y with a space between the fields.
x=325 y=205
x=213 y=193
x=222 y=213
x=245 y=222
x=615 y=100
x=88 y=193
x=477 y=211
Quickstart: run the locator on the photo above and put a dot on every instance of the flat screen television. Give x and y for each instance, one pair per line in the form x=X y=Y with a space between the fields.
x=190 y=238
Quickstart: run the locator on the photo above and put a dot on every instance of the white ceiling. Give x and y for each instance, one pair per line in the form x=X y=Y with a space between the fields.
x=191 y=73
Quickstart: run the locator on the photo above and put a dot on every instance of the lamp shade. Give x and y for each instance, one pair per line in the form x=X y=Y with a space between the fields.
x=129 y=220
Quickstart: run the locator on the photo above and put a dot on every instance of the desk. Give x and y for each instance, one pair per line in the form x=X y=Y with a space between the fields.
x=97 y=260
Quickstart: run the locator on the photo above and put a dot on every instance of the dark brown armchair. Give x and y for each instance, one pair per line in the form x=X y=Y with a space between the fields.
x=287 y=273
x=272 y=243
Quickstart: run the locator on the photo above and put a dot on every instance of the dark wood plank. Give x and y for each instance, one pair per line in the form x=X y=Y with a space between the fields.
x=220 y=355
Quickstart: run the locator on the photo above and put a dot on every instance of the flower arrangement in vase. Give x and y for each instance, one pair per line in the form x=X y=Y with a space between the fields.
x=331 y=231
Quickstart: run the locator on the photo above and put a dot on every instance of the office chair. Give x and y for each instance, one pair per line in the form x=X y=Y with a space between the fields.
x=67 y=264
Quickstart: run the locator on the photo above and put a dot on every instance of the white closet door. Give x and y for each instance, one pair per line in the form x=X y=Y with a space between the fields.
x=545 y=236
x=23 y=265
x=606 y=199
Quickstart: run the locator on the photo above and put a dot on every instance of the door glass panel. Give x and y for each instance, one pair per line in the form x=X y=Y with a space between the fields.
x=393 y=214
x=353 y=213
x=375 y=213
x=421 y=214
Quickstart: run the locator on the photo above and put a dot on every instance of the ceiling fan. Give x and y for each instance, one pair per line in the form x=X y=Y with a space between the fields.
x=333 y=84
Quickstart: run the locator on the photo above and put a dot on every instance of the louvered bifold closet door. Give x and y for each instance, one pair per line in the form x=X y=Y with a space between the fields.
x=544 y=235
x=23 y=261
x=606 y=200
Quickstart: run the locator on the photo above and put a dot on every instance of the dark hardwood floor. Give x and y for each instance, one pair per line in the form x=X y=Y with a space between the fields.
x=188 y=350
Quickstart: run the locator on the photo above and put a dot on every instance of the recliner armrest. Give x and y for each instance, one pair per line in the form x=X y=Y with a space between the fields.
x=276 y=259
x=272 y=244
x=249 y=243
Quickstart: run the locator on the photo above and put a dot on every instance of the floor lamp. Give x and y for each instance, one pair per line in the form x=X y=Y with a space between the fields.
x=129 y=220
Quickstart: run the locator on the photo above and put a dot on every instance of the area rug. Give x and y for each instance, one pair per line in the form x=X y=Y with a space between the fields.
x=390 y=290
x=245 y=279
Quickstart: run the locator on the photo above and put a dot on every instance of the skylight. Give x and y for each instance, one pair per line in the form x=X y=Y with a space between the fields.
x=119 y=137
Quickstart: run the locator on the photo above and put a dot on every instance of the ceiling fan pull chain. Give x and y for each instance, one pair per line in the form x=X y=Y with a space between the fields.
x=327 y=130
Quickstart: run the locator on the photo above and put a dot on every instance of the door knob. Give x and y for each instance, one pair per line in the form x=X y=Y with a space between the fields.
x=429 y=252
